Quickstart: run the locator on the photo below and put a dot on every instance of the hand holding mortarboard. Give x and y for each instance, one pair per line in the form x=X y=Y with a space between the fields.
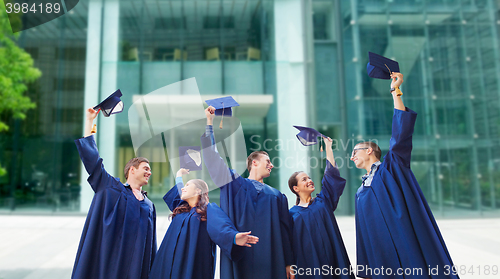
x=223 y=107
x=90 y=115
x=111 y=105
x=308 y=136
x=328 y=143
x=210 y=113
x=397 y=80
x=383 y=68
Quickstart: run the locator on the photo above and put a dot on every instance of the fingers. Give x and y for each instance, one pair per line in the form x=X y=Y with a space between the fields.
x=211 y=109
x=252 y=239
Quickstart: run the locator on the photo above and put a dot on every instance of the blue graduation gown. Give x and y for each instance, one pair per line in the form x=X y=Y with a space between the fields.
x=119 y=236
x=264 y=213
x=316 y=236
x=186 y=252
x=395 y=227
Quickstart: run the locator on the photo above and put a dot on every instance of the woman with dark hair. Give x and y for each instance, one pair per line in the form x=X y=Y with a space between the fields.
x=317 y=243
x=187 y=251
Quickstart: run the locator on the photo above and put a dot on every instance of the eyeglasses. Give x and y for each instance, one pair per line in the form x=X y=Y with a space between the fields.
x=356 y=150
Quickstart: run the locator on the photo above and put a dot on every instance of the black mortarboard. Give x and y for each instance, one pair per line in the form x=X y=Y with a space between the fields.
x=190 y=157
x=380 y=66
x=112 y=104
x=309 y=136
x=223 y=106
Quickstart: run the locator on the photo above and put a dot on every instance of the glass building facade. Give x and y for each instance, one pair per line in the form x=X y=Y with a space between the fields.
x=288 y=62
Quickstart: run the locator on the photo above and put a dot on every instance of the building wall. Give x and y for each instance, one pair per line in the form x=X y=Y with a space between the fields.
x=308 y=57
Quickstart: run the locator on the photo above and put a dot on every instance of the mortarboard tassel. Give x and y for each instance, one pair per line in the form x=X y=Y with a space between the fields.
x=222 y=116
x=321 y=145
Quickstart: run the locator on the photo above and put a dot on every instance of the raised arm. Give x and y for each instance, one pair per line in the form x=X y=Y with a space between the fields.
x=221 y=175
x=172 y=198
x=99 y=178
x=332 y=184
x=89 y=120
x=403 y=123
x=329 y=151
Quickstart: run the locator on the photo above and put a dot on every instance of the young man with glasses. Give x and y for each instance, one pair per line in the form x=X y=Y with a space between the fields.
x=396 y=234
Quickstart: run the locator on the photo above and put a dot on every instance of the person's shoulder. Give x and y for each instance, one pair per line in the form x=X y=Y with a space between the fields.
x=296 y=209
x=272 y=191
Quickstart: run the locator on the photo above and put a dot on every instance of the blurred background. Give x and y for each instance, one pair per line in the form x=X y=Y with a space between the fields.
x=293 y=63
x=287 y=62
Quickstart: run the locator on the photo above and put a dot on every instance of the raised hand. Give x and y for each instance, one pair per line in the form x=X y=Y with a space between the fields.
x=210 y=114
x=182 y=172
x=91 y=114
x=397 y=79
x=245 y=239
x=328 y=143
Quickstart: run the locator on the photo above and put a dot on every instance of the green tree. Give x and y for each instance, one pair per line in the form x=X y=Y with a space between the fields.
x=16 y=71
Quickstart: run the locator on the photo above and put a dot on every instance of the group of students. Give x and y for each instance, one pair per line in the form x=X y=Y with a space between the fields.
x=259 y=236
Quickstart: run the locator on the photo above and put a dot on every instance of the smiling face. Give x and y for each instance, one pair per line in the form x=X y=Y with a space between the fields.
x=141 y=174
x=262 y=166
x=361 y=156
x=304 y=184
x=189 y=190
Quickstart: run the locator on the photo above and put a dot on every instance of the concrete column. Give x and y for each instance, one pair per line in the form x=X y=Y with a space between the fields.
x=291 y=83
x=101 y=81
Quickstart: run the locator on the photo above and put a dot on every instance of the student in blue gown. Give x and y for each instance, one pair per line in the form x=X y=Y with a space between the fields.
x=395 y=227
x=252 y=206
x=317 y=242
x=187 y=252
x=119 y=236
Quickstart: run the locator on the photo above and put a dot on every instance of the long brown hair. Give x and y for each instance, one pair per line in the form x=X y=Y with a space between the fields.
x=201 y=205
x=292 y=181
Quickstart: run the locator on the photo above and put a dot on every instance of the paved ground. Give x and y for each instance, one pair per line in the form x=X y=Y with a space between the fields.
x=43 y=247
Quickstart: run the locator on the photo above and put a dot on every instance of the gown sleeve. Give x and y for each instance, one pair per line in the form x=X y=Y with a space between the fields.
x=172 y=197
x=403 y=124
x=332 y=186
x=99 y=178
x=226 y=179
x=222 y=232
x=286 y=231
